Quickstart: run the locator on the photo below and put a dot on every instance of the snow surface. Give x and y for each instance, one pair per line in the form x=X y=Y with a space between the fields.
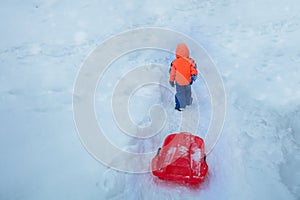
x=255 y=45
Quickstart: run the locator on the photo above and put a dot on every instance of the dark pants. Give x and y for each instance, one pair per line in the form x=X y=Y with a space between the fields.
x=183 y=96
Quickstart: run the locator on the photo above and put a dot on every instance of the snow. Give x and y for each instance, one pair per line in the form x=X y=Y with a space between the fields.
x=196 y=155
x=254 y=45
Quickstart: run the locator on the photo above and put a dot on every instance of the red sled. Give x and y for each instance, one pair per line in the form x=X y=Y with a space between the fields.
x=181 y=158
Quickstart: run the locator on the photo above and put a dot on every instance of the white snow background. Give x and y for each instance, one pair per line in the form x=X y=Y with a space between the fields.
x=255 y=45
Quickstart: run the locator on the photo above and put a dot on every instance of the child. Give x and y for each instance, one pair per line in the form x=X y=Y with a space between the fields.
x=183 y=71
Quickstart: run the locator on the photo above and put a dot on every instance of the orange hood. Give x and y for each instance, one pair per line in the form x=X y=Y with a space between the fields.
x=182 y=51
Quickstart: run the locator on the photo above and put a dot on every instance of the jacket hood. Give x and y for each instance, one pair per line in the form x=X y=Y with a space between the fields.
x=182 y=50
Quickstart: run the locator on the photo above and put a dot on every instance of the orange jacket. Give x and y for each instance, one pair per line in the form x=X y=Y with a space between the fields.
x=183 y=67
